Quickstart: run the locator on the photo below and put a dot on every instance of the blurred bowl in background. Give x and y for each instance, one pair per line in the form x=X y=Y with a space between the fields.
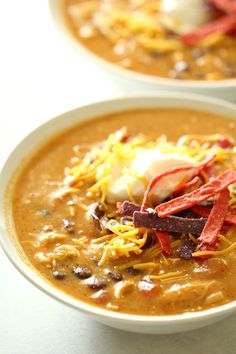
x=219 y=88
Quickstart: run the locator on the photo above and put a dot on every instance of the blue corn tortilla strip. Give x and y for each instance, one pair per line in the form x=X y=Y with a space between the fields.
x=127 y=208
x=169 y=223
x=186 y=248
x=183 y=223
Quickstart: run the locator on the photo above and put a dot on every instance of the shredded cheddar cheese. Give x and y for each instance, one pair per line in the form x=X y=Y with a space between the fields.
x=97 y=165
x=215 y=253
x=148 y=265
x=166 y=275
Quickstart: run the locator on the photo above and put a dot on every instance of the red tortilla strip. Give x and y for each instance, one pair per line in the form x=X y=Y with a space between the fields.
x=197 y=196
x=210 y=171
x=230 y=218
x=224 y=5
x=205 y=211
x=201 y=210
x=173 y=171
x=194 y=181
x=216 y=219
x=224 y=142
x=223 y=25
x=164 y=240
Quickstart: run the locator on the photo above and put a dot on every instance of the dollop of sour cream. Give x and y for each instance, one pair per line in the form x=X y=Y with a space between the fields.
x=184 y=16
x=131 y=177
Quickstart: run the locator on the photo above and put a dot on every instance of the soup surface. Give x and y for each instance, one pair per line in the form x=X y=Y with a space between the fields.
x=140 y=36
x=74 y=211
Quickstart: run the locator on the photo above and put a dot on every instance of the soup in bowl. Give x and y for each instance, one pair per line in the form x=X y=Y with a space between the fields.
x=126 y=209
x=189 y=44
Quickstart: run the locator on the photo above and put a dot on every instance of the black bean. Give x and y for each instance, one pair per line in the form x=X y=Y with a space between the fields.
x=115 y=275
x=69 y=225
x=82 y=272
x=58 y=274
x=151 y=240
x=133 y=271
x=181 y=66
x=96 y=283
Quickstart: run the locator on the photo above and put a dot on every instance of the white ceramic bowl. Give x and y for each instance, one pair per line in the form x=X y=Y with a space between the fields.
x=225 y=89
x=135 y=323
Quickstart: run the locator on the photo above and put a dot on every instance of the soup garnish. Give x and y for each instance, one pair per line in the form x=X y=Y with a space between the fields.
x=130 y=222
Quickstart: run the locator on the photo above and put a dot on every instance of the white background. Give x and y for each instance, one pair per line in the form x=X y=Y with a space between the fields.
x=39 y=78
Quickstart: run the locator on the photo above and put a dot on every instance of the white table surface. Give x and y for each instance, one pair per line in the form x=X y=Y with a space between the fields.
x=39 y=78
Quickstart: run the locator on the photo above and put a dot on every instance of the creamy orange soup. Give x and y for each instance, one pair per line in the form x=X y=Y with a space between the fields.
x=133 y=35
x=76 y=235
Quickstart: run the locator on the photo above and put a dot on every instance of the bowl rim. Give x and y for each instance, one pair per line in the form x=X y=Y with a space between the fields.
x=56 y=12
x=41 y=283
